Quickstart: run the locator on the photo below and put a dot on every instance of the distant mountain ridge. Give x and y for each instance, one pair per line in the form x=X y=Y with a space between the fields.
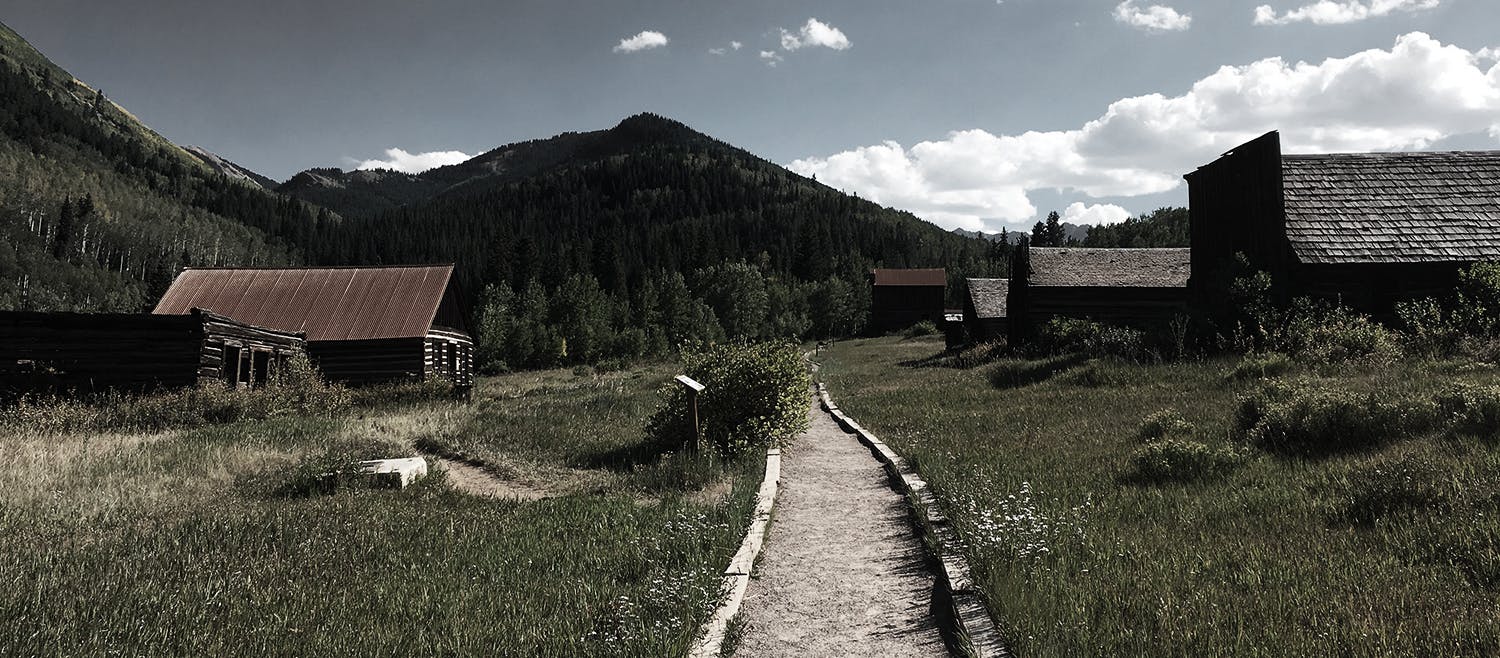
x=362 y=192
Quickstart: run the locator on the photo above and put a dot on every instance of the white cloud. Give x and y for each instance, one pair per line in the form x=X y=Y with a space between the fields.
x=1094 y=214
x=733 y=45
x=736 y=45
x=645 y=40
x=815 y=33
x=770 y=57
x=1155 y=18
x=414 y=163
x=716 y=51
x=1337 y=12
x=1408 y=97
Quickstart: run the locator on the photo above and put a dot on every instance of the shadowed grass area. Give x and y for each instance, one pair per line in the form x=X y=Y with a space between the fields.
x=205 y=542
x=1391 y=549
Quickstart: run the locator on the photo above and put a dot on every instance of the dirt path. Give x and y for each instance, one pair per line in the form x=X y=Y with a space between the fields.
x=843 y=573
x=477 y=481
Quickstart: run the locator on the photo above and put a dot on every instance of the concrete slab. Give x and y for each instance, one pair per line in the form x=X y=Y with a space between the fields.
x=394 y=473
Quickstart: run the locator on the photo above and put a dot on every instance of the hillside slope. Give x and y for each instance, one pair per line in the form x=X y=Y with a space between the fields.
x=97 y=211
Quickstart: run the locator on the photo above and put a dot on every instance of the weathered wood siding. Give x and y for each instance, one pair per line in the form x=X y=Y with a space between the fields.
x=893 y=308
x=370 y=361
x=1136 y=306
x=450 y=355
x=1236 y=206
x=83 y=352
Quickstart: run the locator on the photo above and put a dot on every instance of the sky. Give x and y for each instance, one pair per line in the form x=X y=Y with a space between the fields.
x=974 y=114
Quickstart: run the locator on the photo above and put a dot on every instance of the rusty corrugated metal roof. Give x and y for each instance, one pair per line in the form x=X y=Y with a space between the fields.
x=927 y=277
x=330 y=303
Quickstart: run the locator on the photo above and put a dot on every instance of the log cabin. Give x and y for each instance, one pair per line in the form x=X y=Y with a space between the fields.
x=900 y=298
x=1135 y=287
x=985 y=309
x=45 y=353
x=363 y=324
x=1362 y=229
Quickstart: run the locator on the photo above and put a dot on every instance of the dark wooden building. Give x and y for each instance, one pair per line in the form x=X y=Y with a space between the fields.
x=1136 y=287
x=1364 y=229
x=85 y=352
x=363 y=324
x=902 y=298
x=984 y=309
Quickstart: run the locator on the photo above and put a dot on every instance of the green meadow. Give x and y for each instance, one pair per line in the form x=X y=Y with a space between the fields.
x=1112 y=508
x=219 y=537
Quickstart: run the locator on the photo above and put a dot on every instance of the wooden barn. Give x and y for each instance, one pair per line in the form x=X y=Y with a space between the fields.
x=1137 y=287
x=902 y=298
x=984 y=309
x=363 y=324
x=1364 y=229
x=86 y=352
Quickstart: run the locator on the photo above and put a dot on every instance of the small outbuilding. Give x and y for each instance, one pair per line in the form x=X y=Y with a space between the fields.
x=88 y=352
x=1136 y=287
x=900 y=298
x=984 y=309
x=1363 y=229
x=363 y=324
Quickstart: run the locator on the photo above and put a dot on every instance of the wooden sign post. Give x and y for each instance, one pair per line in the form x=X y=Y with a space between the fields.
x=693 y=389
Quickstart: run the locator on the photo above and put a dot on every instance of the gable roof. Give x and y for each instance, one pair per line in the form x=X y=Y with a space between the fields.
x=333 y=303
x=989 y=297
x=1109 y=268
x=911 y=277
x=1393 y=207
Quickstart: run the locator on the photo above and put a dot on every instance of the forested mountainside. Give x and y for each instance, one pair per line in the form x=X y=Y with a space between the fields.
x=98 y=212
x=610 y=219
x=584 y=246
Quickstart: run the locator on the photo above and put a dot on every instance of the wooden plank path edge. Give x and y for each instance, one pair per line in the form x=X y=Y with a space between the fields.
x=976 y=629
x=737 y=575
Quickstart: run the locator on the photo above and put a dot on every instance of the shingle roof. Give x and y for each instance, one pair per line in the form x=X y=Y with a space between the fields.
x=927 y=277
x=989 y=297
x=336 y=303
x=1393 y=207
x=1109 y=268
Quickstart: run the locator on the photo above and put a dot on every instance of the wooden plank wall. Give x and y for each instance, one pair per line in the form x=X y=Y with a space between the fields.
x=370 y=361
x=1124 y=305
x=56 y=352
x=897 y=307
x=450 y=355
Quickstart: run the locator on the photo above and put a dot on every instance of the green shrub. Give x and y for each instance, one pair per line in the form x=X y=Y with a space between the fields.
x=295 y=390
x=1316 y=332
x=1471 y=409
x=923 y=328
x=1179 y=460
x=755 y=394
x=1429 y=329
x=1163 y=424
x=1299 y=419
x=1404 y=483
x=1260 y=366
x=1077 y=336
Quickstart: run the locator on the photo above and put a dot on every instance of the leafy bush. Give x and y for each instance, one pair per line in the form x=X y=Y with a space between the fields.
x=1316 y=332
x=1431 y=330
x=295 y=390
x=1260 y=366
x=755 y=394
x=1299 y=419
x=1163 y=424
x=1385 y=486
x=1077 y=336
x=923 y=328
x=1180 y=460
x=1472 y=409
